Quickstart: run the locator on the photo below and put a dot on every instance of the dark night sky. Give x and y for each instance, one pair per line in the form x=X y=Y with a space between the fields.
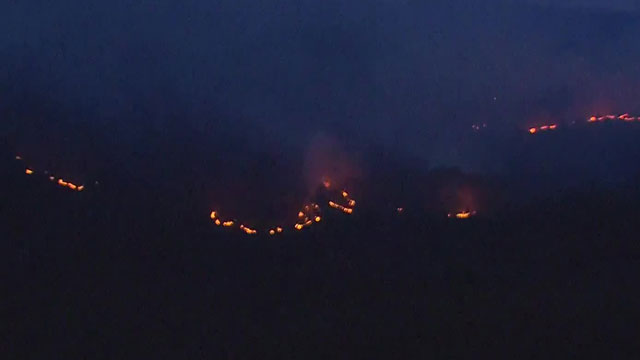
x=406 y=75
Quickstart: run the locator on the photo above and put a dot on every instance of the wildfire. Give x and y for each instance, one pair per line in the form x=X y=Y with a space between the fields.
x=220 y=222
x=462 y=214
x=215 y=216
x=623 y=117
x=60 y=181
x=308 y=215
x=248 y=230
x=535 y=130
x=276 y=230
x=345 y=209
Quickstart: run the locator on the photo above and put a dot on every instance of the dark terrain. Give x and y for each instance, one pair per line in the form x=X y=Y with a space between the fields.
x=131 y=270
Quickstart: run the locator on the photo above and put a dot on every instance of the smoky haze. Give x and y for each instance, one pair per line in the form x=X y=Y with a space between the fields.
x=210 y=89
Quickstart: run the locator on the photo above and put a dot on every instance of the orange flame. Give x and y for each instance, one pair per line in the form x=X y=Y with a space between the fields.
x=534 y=130
x=624 y=117
x=250 y=231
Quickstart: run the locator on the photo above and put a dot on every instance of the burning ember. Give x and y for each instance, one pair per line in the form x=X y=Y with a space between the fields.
x=624 y=117
x=348 y=209
x=226 y=223
x=462 y=214
x=248 y=230
x=60 y=181
x=307 y=216
x=535 y=130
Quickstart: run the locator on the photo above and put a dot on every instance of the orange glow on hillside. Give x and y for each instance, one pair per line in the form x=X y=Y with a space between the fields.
x=310 y=214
